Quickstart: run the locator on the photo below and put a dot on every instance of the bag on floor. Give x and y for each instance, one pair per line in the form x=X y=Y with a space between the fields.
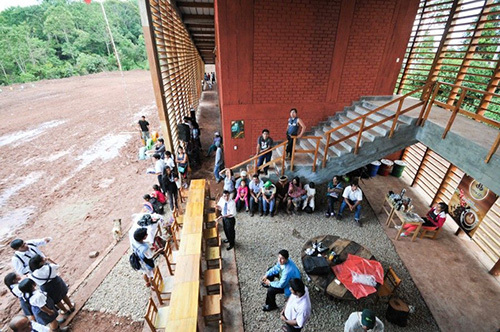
x=316 y=265
x=157 y=206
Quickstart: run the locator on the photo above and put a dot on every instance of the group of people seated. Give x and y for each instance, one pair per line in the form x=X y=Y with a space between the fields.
x=42 y=294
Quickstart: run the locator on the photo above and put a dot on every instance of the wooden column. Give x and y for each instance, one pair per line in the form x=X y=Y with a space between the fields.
x=417 y=175
x=495 y=270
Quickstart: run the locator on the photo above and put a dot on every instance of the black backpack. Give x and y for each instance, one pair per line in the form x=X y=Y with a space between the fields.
x=145 y=220
x=157 y=206
x=316 y=265
x=135 y=261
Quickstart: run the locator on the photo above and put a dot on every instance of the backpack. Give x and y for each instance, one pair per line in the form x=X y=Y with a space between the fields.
x=157 y=206
x=135 y=261
x=316 y=265
x=145 y=220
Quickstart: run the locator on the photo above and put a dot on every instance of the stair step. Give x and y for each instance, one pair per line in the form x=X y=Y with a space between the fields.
x=378 y=117
x=402 y=118
x=368 y=135
x=380 y=130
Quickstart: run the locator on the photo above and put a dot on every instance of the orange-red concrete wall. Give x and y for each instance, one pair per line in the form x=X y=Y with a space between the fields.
x=315 y=55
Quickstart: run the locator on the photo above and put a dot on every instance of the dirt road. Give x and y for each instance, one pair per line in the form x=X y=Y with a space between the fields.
x=69 y=165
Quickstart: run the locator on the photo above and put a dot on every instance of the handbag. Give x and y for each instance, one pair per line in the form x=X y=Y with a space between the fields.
x=181 y=169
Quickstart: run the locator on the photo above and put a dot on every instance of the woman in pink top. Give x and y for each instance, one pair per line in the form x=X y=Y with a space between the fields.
x=296 y=194
x=434 y=219
x=242 y=196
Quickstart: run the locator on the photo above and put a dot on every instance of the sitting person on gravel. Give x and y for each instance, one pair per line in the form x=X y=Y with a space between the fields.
x=242 y=196
x=363 y=321
x=44 y=274
x=298 y=307
x=281 y=192
x=147 y=207
x=352 y=198
x=268 y=199
x=24 y=250
x=255 y=187
x=284 y=270
x=42 y=305
x=158 y=194
x=23 y=324
x=12 y=280
x=296 y=194
x=308 y=205
x=243 y=176
x=333 y=193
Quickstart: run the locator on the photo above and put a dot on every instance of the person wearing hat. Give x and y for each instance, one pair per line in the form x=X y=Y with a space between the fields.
x=24 y=250
x=298 y=307
x=277 y=279
x=281 y=192
x=363 y=321
x=243 y=176
x=264 y=143
x=268 y=199
x=213 y=147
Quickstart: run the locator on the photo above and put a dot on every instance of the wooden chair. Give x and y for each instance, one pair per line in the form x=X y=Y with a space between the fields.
x=168 y=253
x=155 y=317
x=211 y=235
x=212 y=308
x=212 y=280
x=179 y=218
x=162 y=286
x=211 y=220
x=175 y=233
x=213 y=256
x=391 y=283
x=430 y=232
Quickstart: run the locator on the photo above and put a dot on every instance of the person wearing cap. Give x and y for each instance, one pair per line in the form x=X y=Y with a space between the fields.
x=243 y=176
x=268 y=199
x=277 y=279
x=21 y=323
x=255 y=189
x=281 y=192
x=363 y=321
x=264 y=143
x=352 y=197
x=298 y=307
x=213 y=147
x=219 y=161
x=24 y=251
x=227 y=207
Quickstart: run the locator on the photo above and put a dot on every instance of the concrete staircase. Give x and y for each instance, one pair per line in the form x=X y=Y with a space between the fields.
x=374 y=143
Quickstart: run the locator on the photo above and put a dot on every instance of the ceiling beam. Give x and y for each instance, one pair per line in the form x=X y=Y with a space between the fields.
x=195 y=4
x=196 y=25
x=198 y=19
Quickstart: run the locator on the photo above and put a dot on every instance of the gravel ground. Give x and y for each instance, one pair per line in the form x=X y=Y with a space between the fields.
x=255 y=253
x=121 y=293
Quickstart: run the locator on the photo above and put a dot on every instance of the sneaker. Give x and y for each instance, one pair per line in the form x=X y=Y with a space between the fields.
x=397 y=227
x=327 y=215
x=339 y=217
x=251 y=214
x=332 y=214
x=267 y=213
x=403 y=235
x=358 y=222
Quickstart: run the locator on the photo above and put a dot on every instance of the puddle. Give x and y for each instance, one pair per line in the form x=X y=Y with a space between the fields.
x=146 y=110
x=49 y=159
x=29 y=179
x=24 y=136
x=13 y=220
x=108 y=147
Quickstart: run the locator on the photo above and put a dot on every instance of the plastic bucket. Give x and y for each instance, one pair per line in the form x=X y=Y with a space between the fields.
x=373 y=168
x=399 y=167
x=386 y=167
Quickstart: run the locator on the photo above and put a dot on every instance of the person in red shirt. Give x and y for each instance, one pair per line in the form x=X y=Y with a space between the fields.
x=434 y=219
x=158 y=194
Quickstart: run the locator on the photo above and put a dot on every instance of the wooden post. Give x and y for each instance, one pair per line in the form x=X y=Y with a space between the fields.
x=395 y=121
x=359 y=134
x=327 y=148
x=454 y=114
x=441 y=185
x=293 y=153
x=283 y=160
x=493 y=149
x=429 y=106
x=417 y=175
x=316 y=154
x=495 y=270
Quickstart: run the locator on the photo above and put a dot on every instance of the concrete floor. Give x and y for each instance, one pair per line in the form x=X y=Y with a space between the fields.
x=457 y=288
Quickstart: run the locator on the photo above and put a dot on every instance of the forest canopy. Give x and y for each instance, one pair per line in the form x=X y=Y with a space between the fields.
x=63 y=38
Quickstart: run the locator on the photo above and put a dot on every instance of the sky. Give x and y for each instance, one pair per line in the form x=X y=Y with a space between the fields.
x=4 y=4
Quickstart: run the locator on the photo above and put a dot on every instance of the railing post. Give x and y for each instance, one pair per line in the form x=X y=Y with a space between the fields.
x=316 y=154
x=454 y=114
x=359 y=135
x=293 y=153
x=255 y=166
x=429 y=106
x=396 y=117
x=327 y=147
x=493 y=149
x=283 y=160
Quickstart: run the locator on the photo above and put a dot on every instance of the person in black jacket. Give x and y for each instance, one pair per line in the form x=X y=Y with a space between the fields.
x=169 y=177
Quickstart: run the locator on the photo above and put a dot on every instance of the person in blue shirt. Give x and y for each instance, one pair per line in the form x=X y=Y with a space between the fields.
x=294 y=124
x=277 y=279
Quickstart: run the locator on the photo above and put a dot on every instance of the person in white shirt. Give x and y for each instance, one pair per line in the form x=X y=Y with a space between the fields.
x=23 y=324
x=310 y=193
x=363 y=321
x=227 y=206
x=24 y=250
x=298 y=307
x=44 y=274
x=352 y=198
x=12 y=280
x=159 y=168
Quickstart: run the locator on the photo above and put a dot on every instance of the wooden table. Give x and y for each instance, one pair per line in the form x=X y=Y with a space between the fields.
x=389 y=210
x=184 y=303
x=408 y=219
x=342 y=247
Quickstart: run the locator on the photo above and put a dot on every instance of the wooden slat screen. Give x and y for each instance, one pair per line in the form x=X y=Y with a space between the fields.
x=487 y=236
x=413 y=157
x=180 y=64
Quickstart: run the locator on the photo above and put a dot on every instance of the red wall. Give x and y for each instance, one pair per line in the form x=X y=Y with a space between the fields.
x=317 y=56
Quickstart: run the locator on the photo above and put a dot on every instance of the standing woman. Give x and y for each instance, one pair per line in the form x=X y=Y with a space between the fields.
x=182 y=162
x=293 y=130
x=12 y=280
x=44 y=274
x=42 y=305
x=170 y=178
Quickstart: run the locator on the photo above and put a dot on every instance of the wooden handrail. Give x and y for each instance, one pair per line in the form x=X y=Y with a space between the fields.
x=483 y=92
x=315 y=151
x=256 y=157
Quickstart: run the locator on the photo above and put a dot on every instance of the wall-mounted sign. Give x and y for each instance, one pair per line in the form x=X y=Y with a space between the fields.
x=470 y=203
x=238 y=129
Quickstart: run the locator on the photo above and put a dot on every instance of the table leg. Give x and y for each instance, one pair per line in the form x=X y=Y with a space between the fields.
x=416 y=232
x=399 y=232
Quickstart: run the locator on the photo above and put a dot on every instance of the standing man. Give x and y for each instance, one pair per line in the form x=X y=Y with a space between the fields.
x=298 y=307
x=255 y=187
x=159 y=169
x=219 y=161
x=284 y=270
x=352 y=198
x=24 y=251
x=268 y=199
x=228 y=210
x=144 y=126
x=293 y=130
x=264 y=143
x=363 y=321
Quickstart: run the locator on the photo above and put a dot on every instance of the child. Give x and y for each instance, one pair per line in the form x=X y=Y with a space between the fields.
x=242 y=196
x=12 y=280
x=158 y=194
